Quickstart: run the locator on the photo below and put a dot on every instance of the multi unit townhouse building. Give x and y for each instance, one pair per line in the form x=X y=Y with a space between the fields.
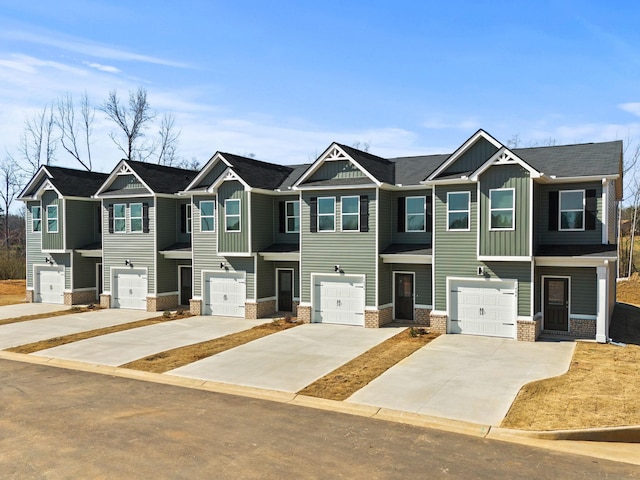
x=488 y=240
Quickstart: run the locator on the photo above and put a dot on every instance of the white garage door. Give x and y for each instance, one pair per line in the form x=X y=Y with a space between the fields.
x=483 y=308
x=339 y=300
x=49 y=285
x=225 y=294
x=130 y=289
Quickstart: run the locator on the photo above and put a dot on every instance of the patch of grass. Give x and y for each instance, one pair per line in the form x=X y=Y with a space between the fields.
x=75 y=337
x=628 y=291
x=352 y=376
x=170 y=359
x=12 y=292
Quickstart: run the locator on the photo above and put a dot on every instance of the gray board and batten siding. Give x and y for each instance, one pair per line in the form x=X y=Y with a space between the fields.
x=583 y=294
x=233 y=242
x=472 y=159
x=52 y=241
x=85 y=227
x=336 y=169
x=280 y=235
x=266 y=277
x=167 y=229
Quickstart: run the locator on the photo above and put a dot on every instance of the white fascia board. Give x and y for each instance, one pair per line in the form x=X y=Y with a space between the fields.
x=404 y=188
x=280 y=256
x=504 y=156
x=206 y=169
x=34 y=181
x=123 y=168
x=572 y=261
x=176 y=255
x=335 y=187
x=400 y=258
x=448 y=181
x=228 y=175
x=462 y=149
x=90 y=253
x=591 y=178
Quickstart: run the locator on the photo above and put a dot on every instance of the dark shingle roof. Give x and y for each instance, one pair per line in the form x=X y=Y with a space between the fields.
x=408 y=249
x=282 y=248
x=596 y=250
x=75 y=183
x=381 y=168
x=163 y=179
x=411 y=170
x=257 y=173
x=293 y=177
x=586 y=159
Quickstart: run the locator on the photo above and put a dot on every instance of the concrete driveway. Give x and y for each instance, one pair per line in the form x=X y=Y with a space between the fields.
x=14 y=334
x=290 y=360
x=22 y=309
x=464 y=377
x=119 y=348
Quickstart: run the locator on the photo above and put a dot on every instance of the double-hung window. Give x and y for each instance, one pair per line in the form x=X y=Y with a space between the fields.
x=232 y=215
x=135 y=217
x=36 y=218
x=350 y=214
x=572 y=210
x=207 y=216
x=502 y=208
x=415 y=214
x=292 y=214
x=119 y=218
x=52 y=218
x=326 y=214
x=458 y=210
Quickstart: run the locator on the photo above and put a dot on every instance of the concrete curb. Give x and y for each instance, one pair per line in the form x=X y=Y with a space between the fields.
x=621 y=443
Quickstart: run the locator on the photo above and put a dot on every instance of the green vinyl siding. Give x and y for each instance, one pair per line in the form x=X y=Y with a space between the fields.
x=33 y=240
x=179 y=234
x=82 y=229
x=546 y=237
x=52 y=241
x=168 y=279
x=505 y=242
x=404 y=236
x=583 y=295
x=125 y=182
x=233 y=242
x=386 y=205
x=355 y=252
x=262 y=213
x=336 y=169
x=213 y=175
x=266 y=277
x=139 y=248
x=204 y=245
x=211 y=263
x=63 y=259
x=385 y=283
x=278 y=236
x=455 y=254
x=167 y=231
x=84 y=271
x=473 y=158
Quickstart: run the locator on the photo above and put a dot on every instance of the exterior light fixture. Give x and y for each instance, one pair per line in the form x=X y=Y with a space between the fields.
x=128 y=263
x=336 y=268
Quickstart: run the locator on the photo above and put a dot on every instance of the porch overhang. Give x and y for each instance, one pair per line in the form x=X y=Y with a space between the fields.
x=93 y=250
x=421 y=254
x=178 y=251
x=281 y=252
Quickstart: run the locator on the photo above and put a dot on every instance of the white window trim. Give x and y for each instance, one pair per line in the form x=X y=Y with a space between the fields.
x=131 y=218
x=227 y=216
x=468 y=210
x=57 y=230
x=287 y=216
x=584 y=198
x=406 y=214
x=33 y=218
x=357 y=214
x=117 y=218
x=327 y=214
x=212 y=216
x=512 y=209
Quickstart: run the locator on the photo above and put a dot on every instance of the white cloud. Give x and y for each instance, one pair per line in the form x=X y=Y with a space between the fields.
x=102 y=68
x=439 y=124
x=632 y=107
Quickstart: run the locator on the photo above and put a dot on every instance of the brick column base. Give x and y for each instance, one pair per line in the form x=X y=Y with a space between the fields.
x=438 y=323
x=84 y=297
x=581 y=328
x=304 y=314
x=165 y=302
x=195 y=307
x=266 y=308
x=422 y=316
x=30 y=295
x=68 y=298
x=105 y=300
x=378 y=318
x=528 y=330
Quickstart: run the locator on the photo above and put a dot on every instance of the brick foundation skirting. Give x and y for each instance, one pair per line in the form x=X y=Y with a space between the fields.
x=578 y=328
x=253 y=311
x=159 y=304
x=304 y=314
x=438 y=323
x=105 y=300
x=85 y=297
x=378 y=318
x=528 y=330
x=422 y=316
x=195 y=307
x=29 y=298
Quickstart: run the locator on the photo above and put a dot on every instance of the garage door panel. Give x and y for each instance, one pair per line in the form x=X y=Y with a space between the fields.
x=130 y=289
x=225 y=294
x=50 y=285
x=339 y=300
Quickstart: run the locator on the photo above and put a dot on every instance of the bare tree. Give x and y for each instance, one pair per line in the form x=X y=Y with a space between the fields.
x=74 y=131
x=168 y=140
x=37 y=142
x=362 y=146
x=10 y=186
x=131 y=119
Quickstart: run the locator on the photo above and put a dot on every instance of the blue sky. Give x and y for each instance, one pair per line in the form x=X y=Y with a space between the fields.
x=283 y=79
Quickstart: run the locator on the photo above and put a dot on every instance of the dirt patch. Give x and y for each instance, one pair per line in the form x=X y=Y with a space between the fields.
x=178 y=357
x=26 y=318
x=12 y=292
x=628 y=291
x=601 y=388
x=57 y=341
x=352 y=376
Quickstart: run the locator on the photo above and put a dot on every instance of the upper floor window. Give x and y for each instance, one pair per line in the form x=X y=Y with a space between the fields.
x=135 y=217
x=415 y=214
x=292 y=214
x=458 y=210
x=502 y=208
x=207 y=216
x=119 y=218
x=326 y=214
x=572 y=210
x=52 y=218
x=350 y=214
x=36 y=218
x=232 y=215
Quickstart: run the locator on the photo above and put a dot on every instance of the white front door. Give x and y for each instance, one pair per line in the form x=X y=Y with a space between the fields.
x=130 y=289
x=483 y=307
x=339 y=300
x=49 y=285
x=225 y=294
